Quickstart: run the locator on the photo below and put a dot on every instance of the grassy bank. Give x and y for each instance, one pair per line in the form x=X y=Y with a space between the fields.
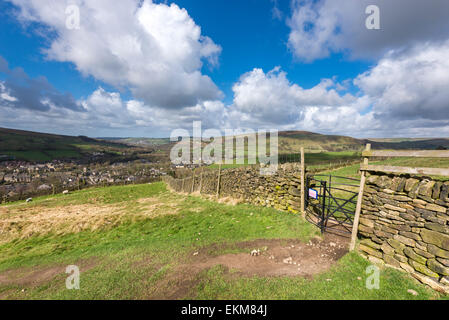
x=132 y=242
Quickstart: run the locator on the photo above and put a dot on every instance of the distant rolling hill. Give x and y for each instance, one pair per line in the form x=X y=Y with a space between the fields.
x=35 y=146
x=141 y=142
x=292 y=141
x=410 y=143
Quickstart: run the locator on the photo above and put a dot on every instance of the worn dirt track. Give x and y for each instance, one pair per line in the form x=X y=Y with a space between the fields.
x=275 y=258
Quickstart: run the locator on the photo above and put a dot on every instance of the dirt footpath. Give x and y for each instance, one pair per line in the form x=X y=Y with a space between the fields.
x=263 y=258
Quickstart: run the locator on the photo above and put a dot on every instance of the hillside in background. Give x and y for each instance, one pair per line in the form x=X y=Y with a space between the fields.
x=34 y=146
x=292 y=141
x=140 y=142
x=410 y=143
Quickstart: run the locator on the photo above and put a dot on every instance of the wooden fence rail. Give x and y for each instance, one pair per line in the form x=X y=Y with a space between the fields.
x=406 y=153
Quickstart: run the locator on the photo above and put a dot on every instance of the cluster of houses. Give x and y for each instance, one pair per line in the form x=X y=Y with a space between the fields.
x=19 y=180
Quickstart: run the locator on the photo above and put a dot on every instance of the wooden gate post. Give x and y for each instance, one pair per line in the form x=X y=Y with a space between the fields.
x=218 y=180
x=355 y=226
x=302 y=183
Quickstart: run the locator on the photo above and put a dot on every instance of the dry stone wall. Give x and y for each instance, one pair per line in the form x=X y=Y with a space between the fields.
x=404 y=223
x=281 y=190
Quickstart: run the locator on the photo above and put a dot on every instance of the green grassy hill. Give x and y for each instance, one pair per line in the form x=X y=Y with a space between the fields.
x=292 y=141
x=410 y=143
x=145 y=242
x=34 y=146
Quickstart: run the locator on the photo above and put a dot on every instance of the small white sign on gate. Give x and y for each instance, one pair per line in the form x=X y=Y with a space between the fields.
x=313 y=194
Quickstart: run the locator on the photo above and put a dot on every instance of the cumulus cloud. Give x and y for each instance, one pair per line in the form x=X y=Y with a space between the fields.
x=271 y=99
x=404 y=94
x=319 y=28
x=155 y=50
x=410 y=85
x=18 y=90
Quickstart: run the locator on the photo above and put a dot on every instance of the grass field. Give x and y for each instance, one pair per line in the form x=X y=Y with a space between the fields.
x=143 y=242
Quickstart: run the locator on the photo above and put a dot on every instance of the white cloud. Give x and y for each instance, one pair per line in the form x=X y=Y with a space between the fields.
x=270 y=98
x=410 y=85
x=321 y=27
x=155 y=50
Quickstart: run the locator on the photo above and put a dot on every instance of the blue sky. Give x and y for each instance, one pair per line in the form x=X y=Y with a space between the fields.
x=286 y=65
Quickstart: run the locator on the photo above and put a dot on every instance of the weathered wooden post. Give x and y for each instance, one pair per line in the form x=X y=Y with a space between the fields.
x=201 y=179
x=193 y=181
x=218 y=180
x=355 y=226
x=182 y=186
x=302 y=183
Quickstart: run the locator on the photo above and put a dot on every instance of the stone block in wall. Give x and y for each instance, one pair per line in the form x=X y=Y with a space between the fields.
x=428 y=215
x=387 y=229
x=401 y=258
x=444 y=262
x=382 y=234
x=387 y=249
x=394 y=208
x=370 y=243
x=410 y=184
x=437 y=267
x=398 y=184
x=436 y=208
x=410 y=253
x=371 y=251
x=383 y=182
x=390 y=260
x=437 y=227
x=433 y=249
x=366 y=229
x=436 y=238
x=401 y=227
x=411 y=235
x=426 y=198
x=413 y=193
x=426 y=188
x=423 y=253
x=376 y=239
x=369 y=208
x=294 y=192
x=407 y=216
x=367 y=222
x=444 y=193
x=436 y=190
x=423 y=269
x=406 y=267
x=445 y=281
x=431 y=282
x=404 y=240
x=418 y=203
x=372 y=179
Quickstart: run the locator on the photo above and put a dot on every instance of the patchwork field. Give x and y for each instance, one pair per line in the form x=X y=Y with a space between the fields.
x=144 y=242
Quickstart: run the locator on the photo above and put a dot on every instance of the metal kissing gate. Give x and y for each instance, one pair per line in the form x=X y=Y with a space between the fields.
x=331 y=202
